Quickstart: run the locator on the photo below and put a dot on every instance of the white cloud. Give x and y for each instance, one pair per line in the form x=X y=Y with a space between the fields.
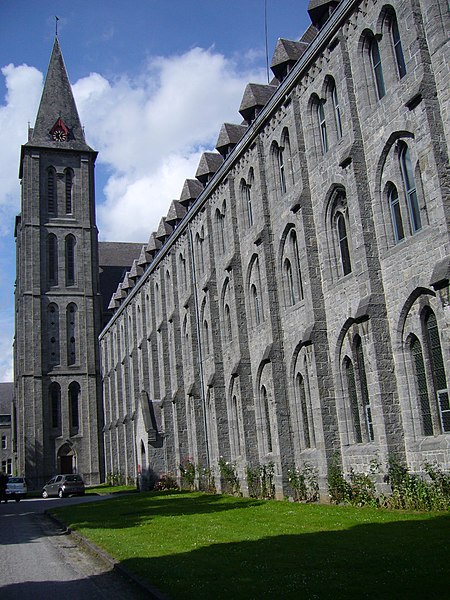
x=150 y=132
x=23 y=85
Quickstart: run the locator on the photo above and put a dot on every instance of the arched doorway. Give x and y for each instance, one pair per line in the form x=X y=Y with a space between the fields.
x=66 y=460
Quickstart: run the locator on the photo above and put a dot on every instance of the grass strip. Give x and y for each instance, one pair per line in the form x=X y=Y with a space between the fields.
x=192 y=545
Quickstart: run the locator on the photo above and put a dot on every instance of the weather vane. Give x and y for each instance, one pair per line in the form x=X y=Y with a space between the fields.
x=56 y=25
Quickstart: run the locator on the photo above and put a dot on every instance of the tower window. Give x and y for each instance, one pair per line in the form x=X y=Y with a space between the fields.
x=74 y=393
x=70 y=260
x=69 y=186
x=51 y=191
x=52 y=249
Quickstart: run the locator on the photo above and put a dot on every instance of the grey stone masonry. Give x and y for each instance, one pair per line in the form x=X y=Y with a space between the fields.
x=293 y=306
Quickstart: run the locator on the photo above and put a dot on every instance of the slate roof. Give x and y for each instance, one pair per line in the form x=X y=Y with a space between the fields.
x=176 y=212
x=230 y=134
x=6 y=396
x=57 y=102
x=209 y=164
x=118 y=254
x=256 y=95
x=191 y=191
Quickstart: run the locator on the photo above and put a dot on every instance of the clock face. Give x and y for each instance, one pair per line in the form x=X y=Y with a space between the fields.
x=59 y=135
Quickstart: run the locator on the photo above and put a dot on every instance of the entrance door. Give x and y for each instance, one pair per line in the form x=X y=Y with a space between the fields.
x=66 y=465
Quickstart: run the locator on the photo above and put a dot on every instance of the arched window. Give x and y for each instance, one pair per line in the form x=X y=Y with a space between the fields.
x=397 y=46
x=220 y=223
x=377 y=68
x=266 y=419
x=70 y=260
x=53 y=333
x=68 y=185
x=301 y=399
x=55 y=405
x=74 y=395
x=206 y=336
x=234 y=427
x=71 y=316
x=421 y=387
x=51 y=192
x=438 y=369
x=281 y=169
x=353 y=399
x=247 y=198
x=228 y=328
x=410 y=187
x=336 y=110
x=363 y=388
x=199 y=239
x=183 y=270
x=322 y=126
x=52 y=250
x=291 y=270
x=289 y=278
x=256 y=305
x=396 y=214
x=344 y=249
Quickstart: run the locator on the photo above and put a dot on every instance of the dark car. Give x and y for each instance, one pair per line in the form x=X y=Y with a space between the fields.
x=16 y=488
x=64 y=485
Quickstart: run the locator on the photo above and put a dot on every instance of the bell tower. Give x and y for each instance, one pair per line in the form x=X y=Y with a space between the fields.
x=56 y=362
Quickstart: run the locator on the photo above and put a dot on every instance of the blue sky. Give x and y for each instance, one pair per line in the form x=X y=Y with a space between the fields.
x=153 y=81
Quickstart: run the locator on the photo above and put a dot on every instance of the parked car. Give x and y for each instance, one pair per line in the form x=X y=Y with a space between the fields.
x=64 y=485
x=16 y=488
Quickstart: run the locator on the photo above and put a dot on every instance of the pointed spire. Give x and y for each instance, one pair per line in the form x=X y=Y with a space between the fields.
x=57 y=110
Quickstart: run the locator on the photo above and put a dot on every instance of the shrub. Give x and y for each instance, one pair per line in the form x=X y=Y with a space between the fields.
x=304 y=483
x=206 y=480
x=260 y=481
x=166 y=482
x=412 y=492
x=187 y=470
x=230 y=479
x=338 y=487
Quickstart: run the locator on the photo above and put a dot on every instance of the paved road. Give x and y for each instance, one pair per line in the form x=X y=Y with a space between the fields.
x=39 y=561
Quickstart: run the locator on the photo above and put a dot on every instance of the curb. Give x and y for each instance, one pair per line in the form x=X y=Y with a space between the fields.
x=153 y=592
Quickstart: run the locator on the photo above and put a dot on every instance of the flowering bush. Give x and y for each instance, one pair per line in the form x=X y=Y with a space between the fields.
x=187 y=470
x=260 y=481
x=304 y=483
x=206 y=480
x=166 y=482
x=229 y=477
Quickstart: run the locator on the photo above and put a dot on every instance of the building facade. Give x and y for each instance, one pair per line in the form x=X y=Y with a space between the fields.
x=58 y=310
x=293 y=303
x=6 y=429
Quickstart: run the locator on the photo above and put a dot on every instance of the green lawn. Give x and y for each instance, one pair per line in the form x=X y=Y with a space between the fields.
x=193 y=545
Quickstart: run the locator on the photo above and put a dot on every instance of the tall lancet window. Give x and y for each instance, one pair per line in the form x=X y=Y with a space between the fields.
x=51 y=191
x=52 y=254
x=53 y=334
x=69 y=185
x=55 y=405
x=74 y=408
x=71 y=320
x=70 y=259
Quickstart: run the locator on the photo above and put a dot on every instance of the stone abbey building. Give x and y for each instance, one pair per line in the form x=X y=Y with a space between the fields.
x=293 y=303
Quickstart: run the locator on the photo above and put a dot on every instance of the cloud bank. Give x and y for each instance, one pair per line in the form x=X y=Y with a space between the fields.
x=150 y=132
